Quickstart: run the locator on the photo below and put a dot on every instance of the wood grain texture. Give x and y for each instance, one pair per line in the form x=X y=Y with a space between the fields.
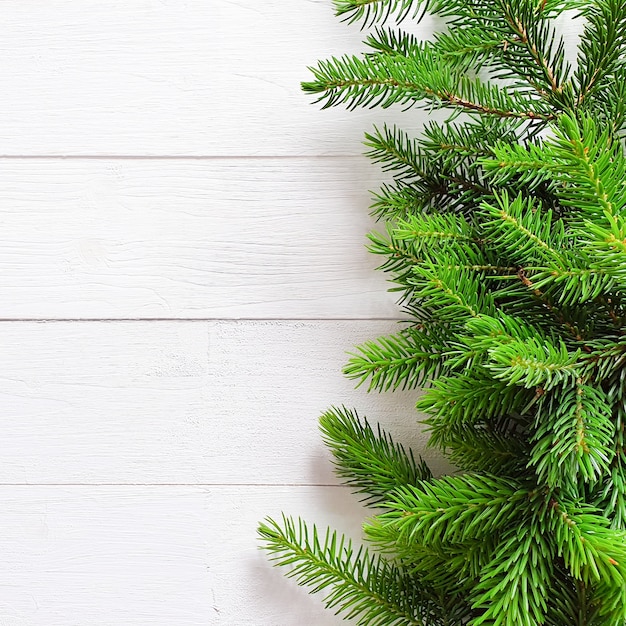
x=181 y=402
x=155 y=556
x=173 y=77
x=270 y=238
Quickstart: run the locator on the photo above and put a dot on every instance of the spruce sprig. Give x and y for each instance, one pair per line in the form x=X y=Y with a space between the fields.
x=504 y=233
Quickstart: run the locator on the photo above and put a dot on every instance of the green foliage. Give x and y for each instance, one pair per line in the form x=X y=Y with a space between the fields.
x=504 y=233
x=370 y=462
x=357 y=584
x=574 y=438
x=384 y=79
x=371 y=11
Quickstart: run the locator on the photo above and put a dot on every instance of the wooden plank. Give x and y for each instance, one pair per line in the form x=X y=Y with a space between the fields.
x=85 y=77
x=221 y=238
x=155 y=556
x=181 y=402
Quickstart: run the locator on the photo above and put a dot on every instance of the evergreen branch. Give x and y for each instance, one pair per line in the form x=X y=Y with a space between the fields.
x=597 y=163
x=372 y=11
x=469 y=141
x=469 y=47
x=543 y=66
x=514 y=586
x=411 y=164
x=404 y=360
x=608 y=105
x=393 y=202
x=470 y=419
x=469 y=398
x=448 y=510
x=574 y=436
x=588 y=166
x=515 y=352
x=591 y=550
x=367 y=461
x=357 y=584
x=601 y=49
x=451 y=235
x=548 y=304
x=521 y=231
x=612 y=498
x=392 y=42
x=510 y=38
x=578 y=284
x=384 y=79
x=452 y=294
x=554 y=8
x=396 y=152
x=453 y=566
x=607 y=356
x=526 y=165
x=569 y=601
x=506 y=234
x=496 y=447
x=534 y=363
x=402 y=256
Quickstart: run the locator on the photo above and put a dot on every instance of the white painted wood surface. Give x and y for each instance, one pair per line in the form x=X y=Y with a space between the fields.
x=146 y=556
x=223 y=402
x=214 y=238
x=172 y=77
x=192 y=229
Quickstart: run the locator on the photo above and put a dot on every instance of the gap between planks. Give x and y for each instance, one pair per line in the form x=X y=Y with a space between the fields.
x=177 y=157
x=307 y=485
x=200 y=319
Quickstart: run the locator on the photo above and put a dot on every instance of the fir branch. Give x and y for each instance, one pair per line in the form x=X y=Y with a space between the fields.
x=593 y=553
x=506 y=236
x=372 y=11
x=402 y=256
x=469 y=47
x=469 y=398
x=435 y=236
x=371 y=463
x=515 y=584
x=574 y=437
x=384 y=79
x=400 y=201
x=452 y=509
x=404 y=360
x=494 y=448
x=470 y=141
x=611 y=499
x=601 y=49
x=397 y=153
x=554 y=8
x=534 y=363
x=390 y=41
x=452 y=294
x=522 y=231
x=557 y=312
x=541 y=63
x=590 y=168
x=358 y=585
x=588 y=165
x=597 y=165
x=606 y=357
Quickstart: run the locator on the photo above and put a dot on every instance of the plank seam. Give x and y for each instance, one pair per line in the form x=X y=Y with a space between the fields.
x=173 y=485
x=177 y=157
x=199 y=319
